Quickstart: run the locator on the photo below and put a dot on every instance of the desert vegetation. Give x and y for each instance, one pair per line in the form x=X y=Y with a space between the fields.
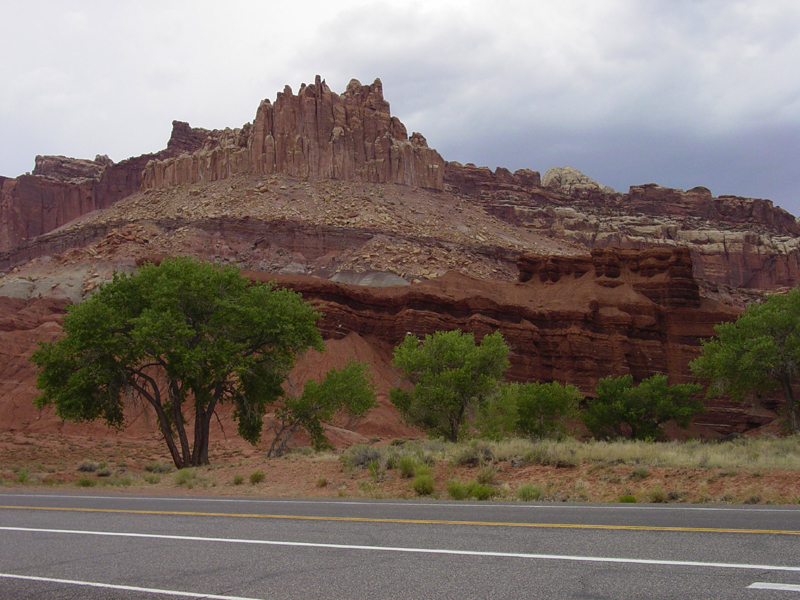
x=744 y=471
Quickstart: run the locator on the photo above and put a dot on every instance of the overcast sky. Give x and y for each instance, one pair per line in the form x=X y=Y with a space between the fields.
x=676 y=92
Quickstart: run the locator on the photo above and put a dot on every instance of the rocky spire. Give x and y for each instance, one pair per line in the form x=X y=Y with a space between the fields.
x=317 y=134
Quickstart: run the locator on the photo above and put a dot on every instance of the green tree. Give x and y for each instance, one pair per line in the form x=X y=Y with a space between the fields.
x=759 y=352
x=542 y=408
x=348 y=391
x=535 y=410
x=451 y=375
x=622 y=409
x=184 y=333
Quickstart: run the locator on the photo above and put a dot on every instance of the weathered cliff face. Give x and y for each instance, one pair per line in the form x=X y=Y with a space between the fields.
x=734 y=241
x=662 y=275
x=568 y=319
x=571 y=319
x=61 y=189
x=316 y=134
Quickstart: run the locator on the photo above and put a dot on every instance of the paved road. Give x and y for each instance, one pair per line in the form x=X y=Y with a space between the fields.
x=60 y=546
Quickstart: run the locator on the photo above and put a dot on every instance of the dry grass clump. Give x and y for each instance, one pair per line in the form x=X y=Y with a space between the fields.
x=754 y=454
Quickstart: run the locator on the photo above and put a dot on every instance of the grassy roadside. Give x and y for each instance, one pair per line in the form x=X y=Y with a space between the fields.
x=746 y=471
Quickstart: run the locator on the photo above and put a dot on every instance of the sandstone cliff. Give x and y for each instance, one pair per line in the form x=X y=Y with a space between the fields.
x=61 y=189
x=568 y=319
x=734 y=241
x=317 y=134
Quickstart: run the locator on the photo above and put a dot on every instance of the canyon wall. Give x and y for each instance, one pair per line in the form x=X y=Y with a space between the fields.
x=572 y=319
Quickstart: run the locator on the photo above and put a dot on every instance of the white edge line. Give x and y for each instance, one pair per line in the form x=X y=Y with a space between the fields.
x=443 y=504
x=786 y=587
x=596 y=559
x=127 y=588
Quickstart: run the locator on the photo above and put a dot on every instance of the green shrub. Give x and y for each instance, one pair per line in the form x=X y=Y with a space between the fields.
x=529 y=492
x=407 y=465
x=151 y=478
x=22 y=475
x=322 y=481
x=552 y=454
x=657 y=495
x=457 y=490
x=85 y=482
x=534 y=410
x=423 y=470
x=122 y=481
x=423 y=484
x=622 y=409
x=257 y=477
x=628 y=498
x=185 y=477
x=105 y=472
x=238 y=479
x=641 y=472
x=480 y=491
x=377 y=471
x=486 y=475
x=477 y=453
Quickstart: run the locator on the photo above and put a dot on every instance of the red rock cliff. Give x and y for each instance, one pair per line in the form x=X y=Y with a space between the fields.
x=62 y=189
x=318 y=134
x=569 y=319
x=735 y=241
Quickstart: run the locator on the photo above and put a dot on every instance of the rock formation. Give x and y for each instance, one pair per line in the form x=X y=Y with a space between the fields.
x=734 y=241
x=61 y=189
x=572 y=319
x=316 y=134
x=568 y=319
x=569 y=180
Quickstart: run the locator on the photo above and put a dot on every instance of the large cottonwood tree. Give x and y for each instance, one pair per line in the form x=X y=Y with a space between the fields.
x=185 y=336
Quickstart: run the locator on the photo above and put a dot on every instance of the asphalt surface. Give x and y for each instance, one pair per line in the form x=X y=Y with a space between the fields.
x=61 y=546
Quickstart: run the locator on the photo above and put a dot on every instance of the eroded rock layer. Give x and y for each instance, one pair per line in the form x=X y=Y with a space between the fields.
x=578 y=319
x=734 y=241
x=303 y=140
x=572 y=320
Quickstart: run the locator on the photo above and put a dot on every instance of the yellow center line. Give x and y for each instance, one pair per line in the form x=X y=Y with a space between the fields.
x=409 y=521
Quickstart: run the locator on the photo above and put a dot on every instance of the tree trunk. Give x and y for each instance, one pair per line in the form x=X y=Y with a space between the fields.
x=202 y=424
x=177 y=415
x=163 y=423
x=786 y=383
x=165 y=431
